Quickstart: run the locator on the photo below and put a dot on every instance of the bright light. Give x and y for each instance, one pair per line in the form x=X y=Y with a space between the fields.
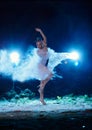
x=76 y=63
x=74 y=56
x=14 y=56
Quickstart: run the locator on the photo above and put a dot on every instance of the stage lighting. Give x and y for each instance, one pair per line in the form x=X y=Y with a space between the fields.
x=14 y=56
x=74 y=55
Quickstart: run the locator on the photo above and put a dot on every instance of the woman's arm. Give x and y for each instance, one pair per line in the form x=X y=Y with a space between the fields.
x=43 y=36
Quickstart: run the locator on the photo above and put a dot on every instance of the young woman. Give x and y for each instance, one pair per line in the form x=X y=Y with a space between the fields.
x=42 y=52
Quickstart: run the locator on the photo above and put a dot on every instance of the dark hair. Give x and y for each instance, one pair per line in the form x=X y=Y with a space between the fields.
x=38 y=39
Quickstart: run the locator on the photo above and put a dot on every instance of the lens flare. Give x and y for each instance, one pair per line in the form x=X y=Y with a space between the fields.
x=76 y=63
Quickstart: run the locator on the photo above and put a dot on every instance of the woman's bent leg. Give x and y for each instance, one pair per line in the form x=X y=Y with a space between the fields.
x=41 y=92
x=42 y=86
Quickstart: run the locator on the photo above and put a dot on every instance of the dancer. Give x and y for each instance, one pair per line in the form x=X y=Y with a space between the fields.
x=42 y=51
x=38 y=65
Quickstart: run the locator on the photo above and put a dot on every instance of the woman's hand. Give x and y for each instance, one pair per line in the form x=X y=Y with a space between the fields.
x=38 y=29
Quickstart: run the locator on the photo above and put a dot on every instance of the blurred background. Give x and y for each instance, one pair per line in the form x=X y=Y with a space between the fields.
x=67 y=25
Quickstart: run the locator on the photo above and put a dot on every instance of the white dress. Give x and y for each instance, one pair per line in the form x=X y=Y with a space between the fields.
x=34 y=67
x=42 y=69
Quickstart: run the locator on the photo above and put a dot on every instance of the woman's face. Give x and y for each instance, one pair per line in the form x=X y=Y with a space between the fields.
x=39 y=44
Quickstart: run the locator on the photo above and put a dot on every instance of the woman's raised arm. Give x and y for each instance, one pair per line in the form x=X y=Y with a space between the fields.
x=43 y=36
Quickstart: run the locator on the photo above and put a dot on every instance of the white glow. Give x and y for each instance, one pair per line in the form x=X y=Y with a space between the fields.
x=74 y=55
x=14 y=56
x=76 y=63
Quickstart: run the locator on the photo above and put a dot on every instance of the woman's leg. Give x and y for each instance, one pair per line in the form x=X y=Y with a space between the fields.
x=47 y=79
x=42 y=86
x=41 y=91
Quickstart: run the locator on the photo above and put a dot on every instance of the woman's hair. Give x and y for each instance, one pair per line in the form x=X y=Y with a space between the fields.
x=38 y=39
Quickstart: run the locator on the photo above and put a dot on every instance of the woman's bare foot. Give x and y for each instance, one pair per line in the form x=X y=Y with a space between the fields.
x=43 y=102
x=41 y=96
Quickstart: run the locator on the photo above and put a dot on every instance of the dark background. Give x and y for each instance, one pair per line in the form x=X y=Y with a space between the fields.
x=67 y=25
